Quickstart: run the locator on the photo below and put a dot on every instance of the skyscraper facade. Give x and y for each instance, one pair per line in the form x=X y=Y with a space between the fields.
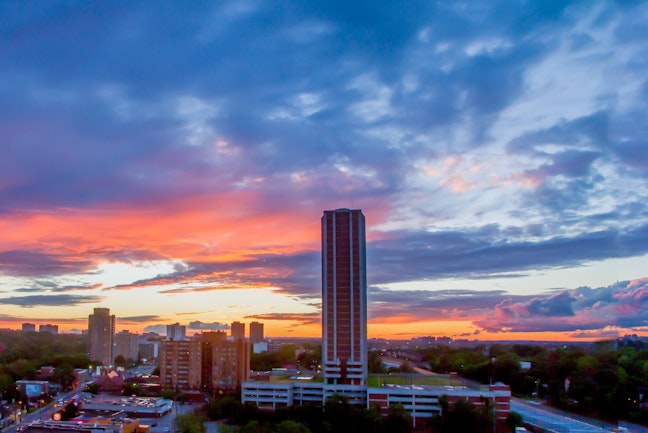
x=344 y=297
x=101 y=331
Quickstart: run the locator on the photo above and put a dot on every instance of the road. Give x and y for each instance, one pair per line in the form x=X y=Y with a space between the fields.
x=538 y=416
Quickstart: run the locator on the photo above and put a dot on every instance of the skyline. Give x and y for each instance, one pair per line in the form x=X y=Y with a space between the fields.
x=172 y=164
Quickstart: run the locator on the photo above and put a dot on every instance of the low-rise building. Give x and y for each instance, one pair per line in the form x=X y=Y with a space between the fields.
x=420 y=401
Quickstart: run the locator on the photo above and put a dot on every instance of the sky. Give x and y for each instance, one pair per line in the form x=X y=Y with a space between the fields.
x=171 y=161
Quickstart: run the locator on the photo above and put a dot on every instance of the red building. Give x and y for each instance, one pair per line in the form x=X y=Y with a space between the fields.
x=344 y=295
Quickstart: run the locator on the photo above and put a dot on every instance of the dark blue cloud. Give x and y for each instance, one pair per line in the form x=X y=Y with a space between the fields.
x=120 y=106
x=410 y=256
x=36 y=263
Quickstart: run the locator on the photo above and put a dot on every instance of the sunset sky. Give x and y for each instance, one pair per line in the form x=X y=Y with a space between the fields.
x=171 y=161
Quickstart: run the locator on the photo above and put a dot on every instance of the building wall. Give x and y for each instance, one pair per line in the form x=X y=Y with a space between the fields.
x=227 y=364
x=101 y=329
x=419 y=401
x=126 y=345
x=344 y=296
x=181 y=365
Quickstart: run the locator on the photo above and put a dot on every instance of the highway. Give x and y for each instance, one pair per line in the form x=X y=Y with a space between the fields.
x=536 y=415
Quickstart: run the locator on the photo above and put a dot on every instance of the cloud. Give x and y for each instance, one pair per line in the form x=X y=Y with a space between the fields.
x=301 y=318
x=213 y=326
x=489 y=250
x=50 y=300
x=36 y=264
x=483 y=139
x=621 y=305
x=159 y=329
x=140 y=319
x=79 y=287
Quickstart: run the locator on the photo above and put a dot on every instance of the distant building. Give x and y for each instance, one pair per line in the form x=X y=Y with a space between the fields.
x=256 y=332
x=274 y=346
x=52 y=329
x=98 y=425
x=101 y=330
x=176 y=332
x=28 y=327
x=180 y=365
x=31 y=392
x=46 y=372
x=149 y=347
x=126 y=345
x=237 y=330
x=260 y=347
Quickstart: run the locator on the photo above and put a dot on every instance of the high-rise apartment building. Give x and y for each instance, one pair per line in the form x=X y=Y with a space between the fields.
x=101 y=329
x=344 y=297
x=176 y=332
x=127 y=345
x=180 y=365
x=237 y=330
x=226 y=364
x=256 y=332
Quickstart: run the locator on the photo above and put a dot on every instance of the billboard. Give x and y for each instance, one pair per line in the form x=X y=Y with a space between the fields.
x=33 y=389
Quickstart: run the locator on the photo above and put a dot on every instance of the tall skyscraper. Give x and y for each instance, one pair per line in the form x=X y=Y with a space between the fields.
x=101 y=330
x=256 y=332
x=237 y=330
x=344 y=297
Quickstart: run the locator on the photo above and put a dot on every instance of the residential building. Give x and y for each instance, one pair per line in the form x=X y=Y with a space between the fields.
x=181 y=365
x=256 y=332
x=344 y=297
x=226 y=364
x=237 y=330
x=126 y=345
x=176 y=331
x=101 y=329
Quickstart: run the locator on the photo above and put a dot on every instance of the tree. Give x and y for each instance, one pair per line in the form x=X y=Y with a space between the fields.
x=289 y=426
x=464 y=417
x=120 y=361
x=398 y=420
x=513 y=420
x=64 y=375
x=188 y=423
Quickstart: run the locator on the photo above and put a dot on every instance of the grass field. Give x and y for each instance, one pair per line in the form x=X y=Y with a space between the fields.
x=415 y=379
